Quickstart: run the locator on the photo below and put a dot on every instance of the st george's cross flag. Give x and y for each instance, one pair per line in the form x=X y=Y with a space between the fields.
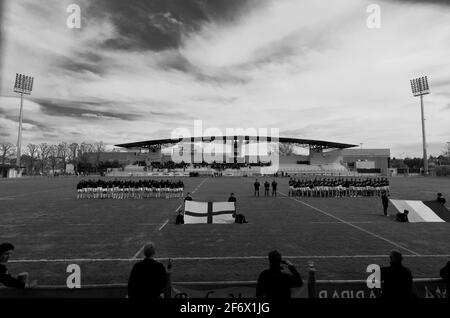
x=209 y=212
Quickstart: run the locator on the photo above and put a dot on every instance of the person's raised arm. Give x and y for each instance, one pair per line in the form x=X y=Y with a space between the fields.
x=296 y=277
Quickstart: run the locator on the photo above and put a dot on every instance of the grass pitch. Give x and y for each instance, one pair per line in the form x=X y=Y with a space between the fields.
x=51 y=229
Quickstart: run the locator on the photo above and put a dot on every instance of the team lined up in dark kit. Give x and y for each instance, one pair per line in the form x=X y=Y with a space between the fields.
x=338 y=187
x=125 y=189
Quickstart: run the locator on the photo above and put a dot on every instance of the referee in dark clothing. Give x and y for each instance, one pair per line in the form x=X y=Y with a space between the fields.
x=273 y=283
x=148 y=277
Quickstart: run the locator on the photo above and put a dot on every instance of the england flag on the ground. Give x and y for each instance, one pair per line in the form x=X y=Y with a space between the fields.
x=209 y=212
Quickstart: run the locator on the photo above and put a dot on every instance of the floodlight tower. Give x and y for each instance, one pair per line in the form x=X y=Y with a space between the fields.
x=420 y=87
x=22 y=85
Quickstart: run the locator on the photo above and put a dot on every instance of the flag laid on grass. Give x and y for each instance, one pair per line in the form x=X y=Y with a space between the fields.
x=419 y=211
x=208 y=212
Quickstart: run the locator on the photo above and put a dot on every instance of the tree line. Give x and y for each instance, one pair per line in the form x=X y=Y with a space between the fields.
x=42 y=158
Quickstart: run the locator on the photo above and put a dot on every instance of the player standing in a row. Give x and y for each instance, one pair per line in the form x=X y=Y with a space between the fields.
x=126 y=189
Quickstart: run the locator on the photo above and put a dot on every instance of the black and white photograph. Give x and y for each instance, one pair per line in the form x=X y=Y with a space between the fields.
x=247 y=151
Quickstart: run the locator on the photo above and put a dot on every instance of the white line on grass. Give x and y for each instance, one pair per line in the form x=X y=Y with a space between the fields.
x=201 y=183
x=357 y=222
x=167 y=221
x=162 y=226
x=25 y=194
x=352 y=225
x=74 y=260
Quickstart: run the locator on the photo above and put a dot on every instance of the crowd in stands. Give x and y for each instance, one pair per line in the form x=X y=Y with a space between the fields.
x=338 y=187
x=129 y=189
x=149 y=278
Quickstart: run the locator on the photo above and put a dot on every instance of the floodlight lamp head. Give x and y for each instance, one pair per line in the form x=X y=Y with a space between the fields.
x=419 y=86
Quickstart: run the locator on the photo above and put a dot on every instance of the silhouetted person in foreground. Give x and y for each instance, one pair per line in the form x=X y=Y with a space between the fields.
x=445 y=274
x=147 y=278
x=402 y=217
x=6 y=278
x=397 y=279
x=273 y=283
x=440 y=198
x=385 y=202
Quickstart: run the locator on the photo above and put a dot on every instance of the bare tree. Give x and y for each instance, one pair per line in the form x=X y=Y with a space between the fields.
x=286 y=149
x=73 y=154
x=85 y=148
x=33 y=152
x=53 y=156
x=44 y=151
x=73 y=147
x=99 y=148
x=63 y=153
x=7 y=151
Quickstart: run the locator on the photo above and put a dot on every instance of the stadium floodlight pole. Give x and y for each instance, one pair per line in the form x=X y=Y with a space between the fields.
x=420 y=87
x=22 y=85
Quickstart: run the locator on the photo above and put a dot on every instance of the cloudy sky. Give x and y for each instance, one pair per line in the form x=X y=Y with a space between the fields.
x=137 y=70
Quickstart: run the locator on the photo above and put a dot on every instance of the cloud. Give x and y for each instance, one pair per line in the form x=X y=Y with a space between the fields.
x=137 y=70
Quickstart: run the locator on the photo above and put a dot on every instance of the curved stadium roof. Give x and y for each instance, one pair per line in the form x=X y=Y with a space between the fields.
x=308 y=142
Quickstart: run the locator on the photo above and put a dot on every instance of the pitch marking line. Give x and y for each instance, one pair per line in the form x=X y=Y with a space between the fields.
x=162 y=226
x=167 y=221
x=25 y=194
x=354 y=226
x=201 y=183
x=356 y=222
x=62 y=260
x=142 y=248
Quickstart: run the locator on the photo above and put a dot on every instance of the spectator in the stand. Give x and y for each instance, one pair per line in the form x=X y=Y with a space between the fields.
x=266 y=188
x=5 y=277
x=385 y=202
x=274 y=188
x=273 y=283
x=445 y=274
x=397 y=279
x=188 y=197
x=402 y=217
x=256 y=186
x=148 y=277
x=440 y=198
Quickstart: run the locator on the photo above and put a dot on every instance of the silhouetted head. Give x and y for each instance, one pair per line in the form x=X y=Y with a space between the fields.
x=149 y=250
x=5 y=252
x=396 y=257
x=274 y=258
x=405 y=212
